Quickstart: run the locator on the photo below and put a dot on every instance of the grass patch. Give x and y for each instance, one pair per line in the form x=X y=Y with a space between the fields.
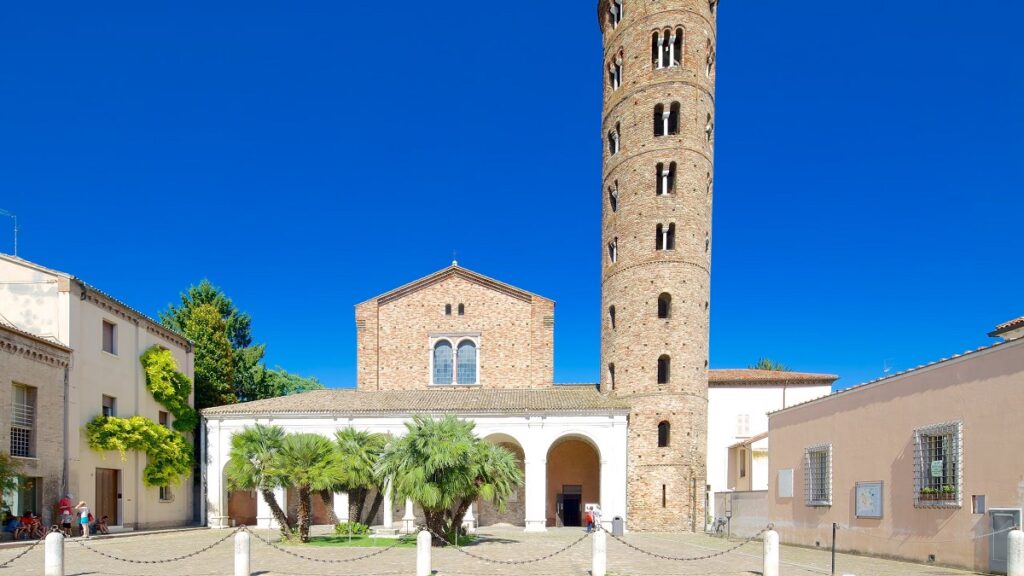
x=370 y=542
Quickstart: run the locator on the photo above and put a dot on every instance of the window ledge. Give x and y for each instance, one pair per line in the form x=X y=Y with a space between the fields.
x=477 y=385
x=110 y=354
x=819 y=504
x=29 y=458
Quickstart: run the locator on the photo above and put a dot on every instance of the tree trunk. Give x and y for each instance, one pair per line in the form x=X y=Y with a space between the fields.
x=305 y=505
x=378 y=498
x=360 y=503
x=275 y=510
x=327 y=497
x=460 y=514
x=436 y=524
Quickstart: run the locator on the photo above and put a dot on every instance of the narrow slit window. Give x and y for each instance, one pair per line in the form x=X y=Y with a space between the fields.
x=664 y=305
x=462 y=309
x=670 y=237
x=659 y=237
x=660 y=121
x=666 y=49
x=672 y=123
x=611 y=375
x=613 y=250
x=656 y=50
x=613 y=196
x=664 y=496
x=664 y=368
x=447 y=309
x=677 y=47
x=611 y=317
x=664 y=430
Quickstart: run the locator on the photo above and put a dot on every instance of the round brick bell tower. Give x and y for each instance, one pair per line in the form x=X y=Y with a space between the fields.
x=658 y=131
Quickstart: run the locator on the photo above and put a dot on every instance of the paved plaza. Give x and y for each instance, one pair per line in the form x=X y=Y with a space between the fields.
x=506 y=544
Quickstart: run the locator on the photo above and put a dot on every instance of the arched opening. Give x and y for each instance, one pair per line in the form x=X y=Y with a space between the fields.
x=664 y=431
x=677 y=47
x=656 y=49
x=573 y=480
x=659 y=120
x=443 y=362
x=447 y=309
x=462 y=309
x=664 y=305
x=241 y=505
x=487 y=514
x=467 y=362
x=673 y=119
x=613 y=196
x=611 y=317
x=664 y=368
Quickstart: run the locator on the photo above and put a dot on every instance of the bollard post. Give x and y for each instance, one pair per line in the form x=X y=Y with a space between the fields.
x=1015 y=553
x=600 y=562
x=243 y=558
x=54 y=548
x=771 y=553
x=423 y=553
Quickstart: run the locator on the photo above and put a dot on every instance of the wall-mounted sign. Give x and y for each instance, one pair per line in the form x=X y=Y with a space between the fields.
x=869 y=499
x=937 y=469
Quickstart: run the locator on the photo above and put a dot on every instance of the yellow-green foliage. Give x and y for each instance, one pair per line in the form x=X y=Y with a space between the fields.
x=168 y=452
x=169 y=387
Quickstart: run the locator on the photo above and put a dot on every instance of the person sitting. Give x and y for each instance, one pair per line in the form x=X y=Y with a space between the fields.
x=11 y=523
x=100 y=527
x=24 y=526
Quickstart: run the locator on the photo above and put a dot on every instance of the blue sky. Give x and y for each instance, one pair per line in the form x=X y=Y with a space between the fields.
x=306 y=157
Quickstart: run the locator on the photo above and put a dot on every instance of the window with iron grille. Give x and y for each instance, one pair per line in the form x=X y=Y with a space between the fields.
x=818 y=475
x=23 y=421
x=938 y=458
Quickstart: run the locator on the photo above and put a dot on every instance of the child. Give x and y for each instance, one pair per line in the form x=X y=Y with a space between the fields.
x=83 y=517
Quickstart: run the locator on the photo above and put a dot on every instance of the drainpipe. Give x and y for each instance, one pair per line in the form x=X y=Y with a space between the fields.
x=67 y=425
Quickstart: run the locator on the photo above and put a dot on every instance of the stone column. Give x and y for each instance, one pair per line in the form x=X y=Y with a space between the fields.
x=536 y=493
x=341 y=506
x=409 y=519
x=389 y=507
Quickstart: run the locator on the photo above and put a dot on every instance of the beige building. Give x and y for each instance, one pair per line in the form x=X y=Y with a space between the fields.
x=33 y=375
x=922 y=465
x=106 y=377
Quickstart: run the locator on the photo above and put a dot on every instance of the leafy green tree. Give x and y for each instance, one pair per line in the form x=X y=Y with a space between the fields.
x=250 y=465
x=765 y=363
x=358 y=452
x=214 y=357
x=310 y=463
x=441 y=465
x=284 y=383
x=238 y=323
x=9 y=471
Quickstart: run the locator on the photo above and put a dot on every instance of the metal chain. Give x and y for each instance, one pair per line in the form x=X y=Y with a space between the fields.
x=164 y=561
x=861 y=532
x=31 y=547
x=508 y=562
x=322 y=560
x=691 y=559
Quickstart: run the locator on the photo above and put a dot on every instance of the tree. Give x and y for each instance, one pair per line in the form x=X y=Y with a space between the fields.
x=358 y=453
x=280 y=382
x=310 y=463
x=441 y=465
x=9 y=471
x=765 y=363
x=238 y=323
x=214 y=357
x=250 y=465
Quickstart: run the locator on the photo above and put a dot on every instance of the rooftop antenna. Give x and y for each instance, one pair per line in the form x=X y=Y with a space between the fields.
x=15 y=218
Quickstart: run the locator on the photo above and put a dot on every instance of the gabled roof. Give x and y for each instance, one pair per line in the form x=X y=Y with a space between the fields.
x=90 y=288
x=751 y=377
x=455 y=271
x=1015 y=324
x=510 y=401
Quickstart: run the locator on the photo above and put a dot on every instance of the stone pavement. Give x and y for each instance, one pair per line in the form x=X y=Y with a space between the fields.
x=507 y=544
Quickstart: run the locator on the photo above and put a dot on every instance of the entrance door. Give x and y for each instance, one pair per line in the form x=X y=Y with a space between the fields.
x=1003 y=520
x=108 y=486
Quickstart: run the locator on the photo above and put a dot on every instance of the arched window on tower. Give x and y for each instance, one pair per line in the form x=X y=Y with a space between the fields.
x=466 y=373
x=462 y=309
x=666 y=178
x=664 y=305
x=656 y=50
x=665 y=237
x=660 y=121
x=710 y=65
x=613 y=139
x=615 y=72
x=672 y=124
x=613 y=250
x=666 y=48
x=443 y=362
x=611 y=317
x=664 y=367
x=611 y=375
x=615 y=13
x=677 y=47
x=664 y=434
x=613 y=196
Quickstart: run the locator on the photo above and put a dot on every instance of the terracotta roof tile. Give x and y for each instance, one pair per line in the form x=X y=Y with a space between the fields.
x=750 y=377
x=1007 y=326
x=474 y=401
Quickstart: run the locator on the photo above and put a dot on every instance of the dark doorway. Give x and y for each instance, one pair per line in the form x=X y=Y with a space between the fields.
x=572 y=505
x=108 y=493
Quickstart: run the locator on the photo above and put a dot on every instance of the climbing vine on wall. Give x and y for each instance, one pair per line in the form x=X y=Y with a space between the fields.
x=169 y=387
x=168 y=452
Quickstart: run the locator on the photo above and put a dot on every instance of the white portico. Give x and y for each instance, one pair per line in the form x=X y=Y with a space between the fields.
x=572 y=442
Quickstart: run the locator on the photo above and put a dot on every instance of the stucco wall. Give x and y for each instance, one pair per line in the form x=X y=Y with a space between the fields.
x=871 y=431
x=515 y=343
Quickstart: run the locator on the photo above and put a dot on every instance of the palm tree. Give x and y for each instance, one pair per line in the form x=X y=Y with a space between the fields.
x=309 y=463
x=249 y=465
x=359 y=452
x=441 y=465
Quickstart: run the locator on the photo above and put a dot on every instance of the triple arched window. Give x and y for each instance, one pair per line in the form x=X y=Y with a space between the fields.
x=455 y=364
x=667 y=48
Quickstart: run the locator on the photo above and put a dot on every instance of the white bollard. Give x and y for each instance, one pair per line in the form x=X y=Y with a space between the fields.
x=1015 y=553
x=771 y=553
x=243 y=558
x=600 y=563
x=423 y=553
x=54 y=547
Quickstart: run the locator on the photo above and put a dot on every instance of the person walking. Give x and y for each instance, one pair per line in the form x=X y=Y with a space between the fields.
x=83 y=517
x=589 y=518
x=597 y=518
